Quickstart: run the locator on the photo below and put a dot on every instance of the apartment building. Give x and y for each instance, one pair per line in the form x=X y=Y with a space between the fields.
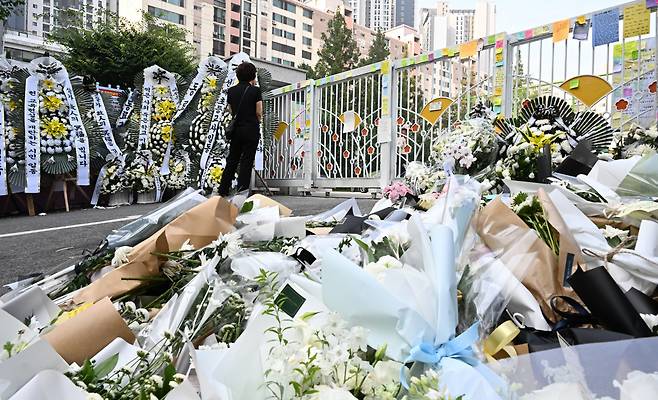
x=442 y=27
x=219 y=27
x=30 y=23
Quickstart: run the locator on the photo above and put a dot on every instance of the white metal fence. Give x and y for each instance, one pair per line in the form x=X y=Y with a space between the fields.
x=359 y=129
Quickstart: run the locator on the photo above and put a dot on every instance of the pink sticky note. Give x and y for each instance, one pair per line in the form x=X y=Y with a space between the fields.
x=628 y=92
x=499 y=43
x=529 y=34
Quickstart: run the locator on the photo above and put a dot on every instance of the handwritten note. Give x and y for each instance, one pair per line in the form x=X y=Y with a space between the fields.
x=468 y=49
x=605 y=27
x=581 y=29
x=636 y=20
x=561 y=30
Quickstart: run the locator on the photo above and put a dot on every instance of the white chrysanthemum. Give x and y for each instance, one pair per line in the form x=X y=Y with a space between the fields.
x=610 y=232
x=121 y=256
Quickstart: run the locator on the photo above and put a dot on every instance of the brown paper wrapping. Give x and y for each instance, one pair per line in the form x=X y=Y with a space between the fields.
x=502 y=230
x=520 y=349
x=267 y=202
x=201 y=225
x=84 y=335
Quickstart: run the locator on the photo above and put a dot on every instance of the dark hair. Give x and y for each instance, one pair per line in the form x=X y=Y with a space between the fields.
x=246 y=72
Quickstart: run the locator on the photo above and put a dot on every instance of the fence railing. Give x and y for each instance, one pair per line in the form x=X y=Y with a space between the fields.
x=359 y=129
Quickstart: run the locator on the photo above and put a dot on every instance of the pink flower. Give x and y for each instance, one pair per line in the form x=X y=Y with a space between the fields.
x=396 y=191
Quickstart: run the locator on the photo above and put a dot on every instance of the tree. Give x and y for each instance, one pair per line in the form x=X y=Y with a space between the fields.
x=6 y=9
x=339 y=51
x=310 y=74
x=7 y=6
x=378 y=50
x=116 y=50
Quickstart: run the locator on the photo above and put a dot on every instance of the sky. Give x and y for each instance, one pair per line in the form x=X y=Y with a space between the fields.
x=516 y=15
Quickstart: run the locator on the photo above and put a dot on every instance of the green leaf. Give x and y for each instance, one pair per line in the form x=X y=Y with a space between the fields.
x=103 y=369
x=366 y=248
x=87 y=373
x=247 y=207
x=308 y=315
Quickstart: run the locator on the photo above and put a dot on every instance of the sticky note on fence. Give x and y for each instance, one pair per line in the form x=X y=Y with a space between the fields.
x=468 y=49
x=280 y=130
x=561 y=30
x=636 y=20
x=605 y=27
x=574 y=84
x=386 y=67
x=497 y=101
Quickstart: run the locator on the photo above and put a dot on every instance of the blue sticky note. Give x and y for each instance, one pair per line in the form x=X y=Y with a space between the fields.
x=605 y=27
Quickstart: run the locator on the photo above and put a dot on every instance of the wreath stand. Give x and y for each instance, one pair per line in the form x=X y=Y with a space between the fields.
x=18 y=203
x=65 y=179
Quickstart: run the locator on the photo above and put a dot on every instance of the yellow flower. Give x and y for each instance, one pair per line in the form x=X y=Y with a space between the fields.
x=164 y=110
x=212 y=83
x=161 y=90
x=52 y=103
x=54 y=128
x=49 y=84
x=166 y=132
x=216 y=173
x=67 y=315
x=206 y=100
x=178 y=168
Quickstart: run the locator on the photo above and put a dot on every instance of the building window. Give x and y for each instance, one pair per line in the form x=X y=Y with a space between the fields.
x=307 y=41
x=220 y=16
x=284 y=34
x=308 y=28
x=179 y=3
x=308 y=13
x=283 y=48
x=219 y=33
x=283 y=62
x=284 y=5
x=235 y=23
x=284 y=20
x=167 y=15
x=306 y=54
x=235 y=7
x=235 y=39
x=218 y=48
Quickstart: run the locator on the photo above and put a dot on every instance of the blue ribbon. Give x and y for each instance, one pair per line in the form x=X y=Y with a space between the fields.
x=459 y=348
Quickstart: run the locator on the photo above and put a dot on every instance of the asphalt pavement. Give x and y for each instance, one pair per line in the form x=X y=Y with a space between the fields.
x=48 y=243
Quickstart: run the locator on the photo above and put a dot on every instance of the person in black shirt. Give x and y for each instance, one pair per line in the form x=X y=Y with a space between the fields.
x=245 y=102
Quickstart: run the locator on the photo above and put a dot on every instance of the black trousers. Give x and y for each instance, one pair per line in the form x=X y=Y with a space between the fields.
x=241 y=153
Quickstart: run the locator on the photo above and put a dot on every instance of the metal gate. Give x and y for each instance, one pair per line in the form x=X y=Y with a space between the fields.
x=359 y=129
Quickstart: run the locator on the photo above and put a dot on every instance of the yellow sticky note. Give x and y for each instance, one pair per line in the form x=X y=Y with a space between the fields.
x=574 y=84
x=581 y=20
x=498 y=91
x=386 y=67
x=498 y=101
x=468 y=49
x=561 y=30
x=499 y=50
x=636 y=20
x=445 y=52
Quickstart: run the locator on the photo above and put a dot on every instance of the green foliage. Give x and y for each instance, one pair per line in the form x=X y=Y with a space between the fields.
x=378 y=50
x=7 y=6
x=117 y=50
x=339 y=51
x=310 y=73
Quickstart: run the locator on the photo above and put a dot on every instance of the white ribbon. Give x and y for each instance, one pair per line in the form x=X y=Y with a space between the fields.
x=32 y=148
x=3 y=161
x=126 y=110
x=100 y=113
x=145 y=115
x=99 y=184
x=218 y=111
x=81 y=140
